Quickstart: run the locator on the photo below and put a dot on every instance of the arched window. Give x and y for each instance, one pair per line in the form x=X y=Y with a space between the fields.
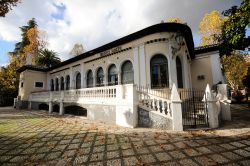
x=62 y=83
x=67 y=82
x=99 y=77
x=52 y=85
x=127 y=73
x=159 y=71
x=179 y=72
x=89 y=79
x=57 y=84
x=112 y=75
x=78 y=81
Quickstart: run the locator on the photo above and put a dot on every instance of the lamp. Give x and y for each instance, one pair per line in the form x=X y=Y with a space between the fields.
x=179 y=39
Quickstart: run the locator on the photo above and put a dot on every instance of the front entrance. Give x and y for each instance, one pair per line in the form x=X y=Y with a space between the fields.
x=194 y=109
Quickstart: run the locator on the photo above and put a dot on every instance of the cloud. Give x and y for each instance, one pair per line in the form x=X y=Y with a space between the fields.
x=96 y=22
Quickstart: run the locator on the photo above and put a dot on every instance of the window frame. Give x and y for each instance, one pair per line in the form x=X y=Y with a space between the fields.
x=35 y=84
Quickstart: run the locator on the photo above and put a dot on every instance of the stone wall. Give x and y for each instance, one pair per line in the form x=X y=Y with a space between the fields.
x=153 y=120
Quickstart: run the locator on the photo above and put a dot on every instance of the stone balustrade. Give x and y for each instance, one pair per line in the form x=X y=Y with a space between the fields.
x=108 y=92
x=155 y=100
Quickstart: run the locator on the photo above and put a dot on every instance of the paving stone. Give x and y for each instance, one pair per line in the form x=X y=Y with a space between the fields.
x=54 y=155
x=247 y=142
x=191 y=152
x=156 y=148
x=203 y=150
x=150 y=142
x=192 y=143
x=147 y=158
x=4 y=158
x=96 y=157
x=168 y=147
x=130 y=161
x=60 y=147
x=142 y=150
x=187 y=162
x=171 y=163
x=36 y=157
x=237 y=144
x=126 y=146
x=203 y=160
x=80 y=159
x=98 y=149
x=96 y=164
x=163 y=156
x=228 y=146
x=242 y=152
x=19 y=158
x=112 y=147
x=115 y=162
x=218 y=158
x=113 y=154
x=216 y=148
x=245 y=162
x=128 y=152
x=86 y=144
x=180 y=145
x=177 y=154
x=231 y=156
x=69 y=153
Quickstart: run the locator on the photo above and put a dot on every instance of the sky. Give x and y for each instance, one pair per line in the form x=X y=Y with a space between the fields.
x=94 y=23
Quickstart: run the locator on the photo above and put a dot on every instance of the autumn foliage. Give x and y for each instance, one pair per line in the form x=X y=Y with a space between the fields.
x=210 y=27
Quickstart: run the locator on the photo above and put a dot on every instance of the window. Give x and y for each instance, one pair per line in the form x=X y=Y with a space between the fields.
x=21 y=84
x=52 y=85
x=78 y=81
x=67 y=82
x=127 y=73
x=39 y=84
x=90 y=79
x=159 y=71
x=99 y=77
x=57 y=84
x=112 y=75
x=62 y=83
x=179 y=72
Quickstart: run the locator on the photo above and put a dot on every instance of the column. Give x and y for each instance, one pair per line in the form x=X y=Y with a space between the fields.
x=136 y=66
x=119 y=78
x=142 y=58
x=212 y=109
x=50 y=102
x=82 y=75
x=71 y=85
x=176 y=109
x=94 y=79
x=50 y=107
x=30 y=105
x=105 y=78
x=61 y=111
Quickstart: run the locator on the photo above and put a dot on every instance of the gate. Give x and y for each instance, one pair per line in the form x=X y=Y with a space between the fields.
x=194 y=108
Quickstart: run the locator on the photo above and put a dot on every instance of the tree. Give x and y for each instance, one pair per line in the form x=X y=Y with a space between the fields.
x=19 y=47
x=77 y=50
x=210 y=27
x=233 y=35
x=6 y=6
x=175 y=20
x=35 y=44
x=235 y=69
x=48 y=58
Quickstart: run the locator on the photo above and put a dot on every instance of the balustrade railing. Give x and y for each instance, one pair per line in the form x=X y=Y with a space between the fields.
x=73 y=95
x=155 y=100
x=40 y=96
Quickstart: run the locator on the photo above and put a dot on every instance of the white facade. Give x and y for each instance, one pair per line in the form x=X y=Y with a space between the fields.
x=140 y=71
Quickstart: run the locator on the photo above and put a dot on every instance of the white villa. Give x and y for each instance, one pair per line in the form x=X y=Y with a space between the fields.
x=136 y=80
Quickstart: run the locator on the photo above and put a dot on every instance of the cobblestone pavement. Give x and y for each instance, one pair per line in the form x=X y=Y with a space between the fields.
x=34 y=138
